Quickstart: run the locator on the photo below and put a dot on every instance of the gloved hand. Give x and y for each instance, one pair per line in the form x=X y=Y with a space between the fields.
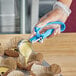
x=57 y=14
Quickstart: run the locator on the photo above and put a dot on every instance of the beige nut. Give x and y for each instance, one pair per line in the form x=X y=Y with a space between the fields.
x=39 y=70
x=16 y=73
x=10 y=63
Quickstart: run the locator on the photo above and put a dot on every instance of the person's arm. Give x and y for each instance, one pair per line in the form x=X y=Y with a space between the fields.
x=66 y=2
x=52 y=15
x=57 y=14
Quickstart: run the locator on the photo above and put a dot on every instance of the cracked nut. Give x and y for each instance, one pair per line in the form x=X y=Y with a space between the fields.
x=11 y=53
x=56 y=69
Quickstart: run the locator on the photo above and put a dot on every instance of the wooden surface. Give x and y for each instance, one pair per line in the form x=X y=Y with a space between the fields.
x=60 y=50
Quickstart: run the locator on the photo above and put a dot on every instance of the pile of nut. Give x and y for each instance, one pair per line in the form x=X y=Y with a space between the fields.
x=12 y=63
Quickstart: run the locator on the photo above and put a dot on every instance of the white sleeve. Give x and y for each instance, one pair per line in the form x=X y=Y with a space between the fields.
x=63 y=6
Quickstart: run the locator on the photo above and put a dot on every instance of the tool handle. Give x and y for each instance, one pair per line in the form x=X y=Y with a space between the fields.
x=48 y=32
x=56 y=22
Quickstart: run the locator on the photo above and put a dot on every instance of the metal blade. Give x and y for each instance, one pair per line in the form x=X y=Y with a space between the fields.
x=44 y=63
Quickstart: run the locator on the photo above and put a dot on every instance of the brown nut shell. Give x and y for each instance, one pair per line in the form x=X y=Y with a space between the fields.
x=54 y=68
x=35 y=57
x=11 y=53
x=39 y=57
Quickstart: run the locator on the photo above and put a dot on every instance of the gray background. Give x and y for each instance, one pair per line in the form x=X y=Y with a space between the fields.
x=10 y=14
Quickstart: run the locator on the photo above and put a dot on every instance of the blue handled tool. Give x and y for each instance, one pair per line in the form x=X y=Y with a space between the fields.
x=39 y=37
